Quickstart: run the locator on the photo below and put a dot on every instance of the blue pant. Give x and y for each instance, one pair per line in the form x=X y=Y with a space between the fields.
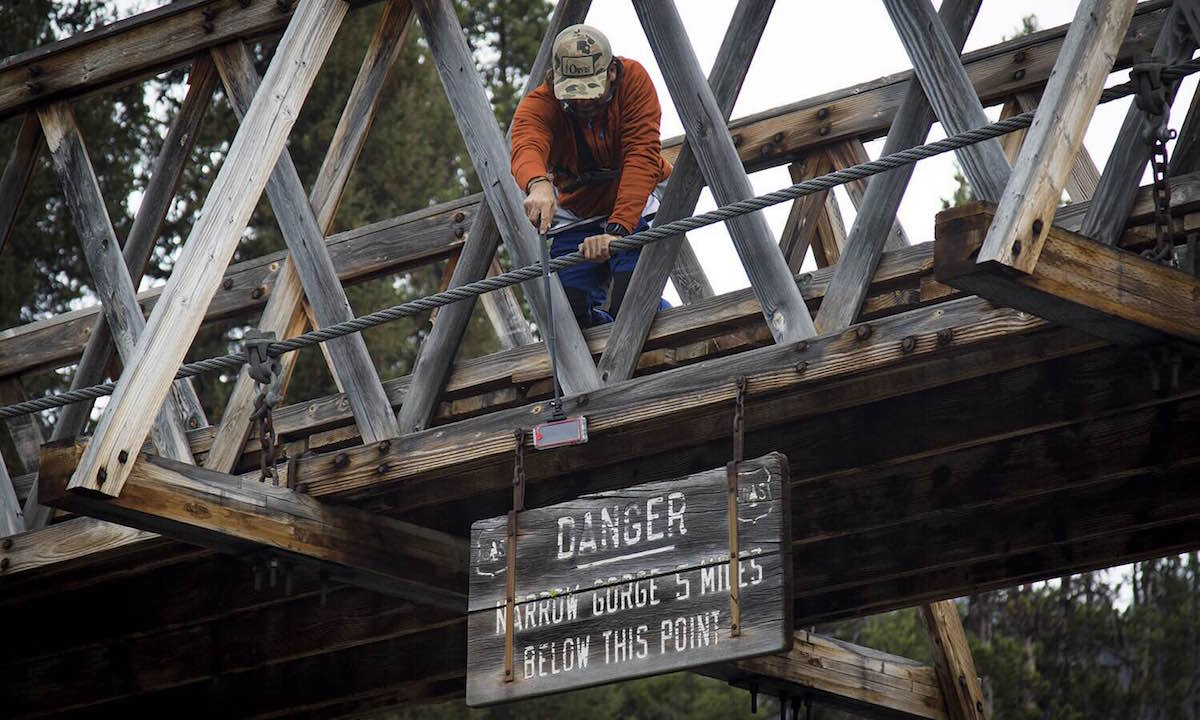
x=585 y=284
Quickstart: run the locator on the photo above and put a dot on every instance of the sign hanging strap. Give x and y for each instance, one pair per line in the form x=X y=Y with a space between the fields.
x=518 y=483
x=735 y=591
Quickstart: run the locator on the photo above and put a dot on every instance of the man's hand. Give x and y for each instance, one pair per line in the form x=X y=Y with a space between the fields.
x=539 y=204
x=595 y=248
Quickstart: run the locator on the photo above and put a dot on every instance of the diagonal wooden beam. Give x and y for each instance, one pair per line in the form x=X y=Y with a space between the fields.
x=24 y=431
x=12 y=520
x=504 y=312
x=488 y=151
x=846 y=675
x=226 y=211
x=1077 y=282
x=852 y=152
x=961 y=690
x=783 y=307
x=1131 y=152
x=308 y=271
x=810 y=218
x=1025 y=211
x=877 y=214
x=348 y=357
x=1084 y=175
x=945 y=82
x=18 y=172
x=683 y=192
x=229 y=513
x=110 y=276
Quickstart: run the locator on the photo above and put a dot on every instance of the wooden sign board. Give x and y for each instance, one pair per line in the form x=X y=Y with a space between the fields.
x=630 y=583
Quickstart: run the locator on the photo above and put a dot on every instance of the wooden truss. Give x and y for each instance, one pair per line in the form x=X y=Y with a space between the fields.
x=868 y=372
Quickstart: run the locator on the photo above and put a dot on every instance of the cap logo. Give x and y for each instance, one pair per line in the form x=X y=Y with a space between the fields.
x=579 y=66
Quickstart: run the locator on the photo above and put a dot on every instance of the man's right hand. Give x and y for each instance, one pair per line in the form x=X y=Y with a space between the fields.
x=540 y=205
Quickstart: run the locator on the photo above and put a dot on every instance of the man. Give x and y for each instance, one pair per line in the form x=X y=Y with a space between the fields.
x=586 y=143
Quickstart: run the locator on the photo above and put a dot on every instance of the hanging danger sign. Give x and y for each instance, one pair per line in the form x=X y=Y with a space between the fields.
x=630 y=583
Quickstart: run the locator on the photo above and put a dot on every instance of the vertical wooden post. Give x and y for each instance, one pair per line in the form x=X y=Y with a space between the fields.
x=11 y=519
x=683 y=191
x=1027 y=207
x=110 y=277
x=877 y=213
x=1105 y=219
x=17 y=173
x=147 y=375
x=284 y=313
x=952 y=660
x=782 y=305
x=351 y=363
x=503 y=212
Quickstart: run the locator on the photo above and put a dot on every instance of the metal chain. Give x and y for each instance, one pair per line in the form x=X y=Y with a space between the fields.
x=1153 y=97
x=636 y=241
x=265 y=370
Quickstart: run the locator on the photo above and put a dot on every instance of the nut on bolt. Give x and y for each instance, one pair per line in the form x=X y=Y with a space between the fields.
x=863 y=331
x=944 y=337
x=908 y=344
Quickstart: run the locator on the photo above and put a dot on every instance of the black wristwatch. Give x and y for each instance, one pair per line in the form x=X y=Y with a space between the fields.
x=615 y=229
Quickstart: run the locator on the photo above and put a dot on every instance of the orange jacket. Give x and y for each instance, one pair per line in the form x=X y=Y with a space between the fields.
x=626 y=136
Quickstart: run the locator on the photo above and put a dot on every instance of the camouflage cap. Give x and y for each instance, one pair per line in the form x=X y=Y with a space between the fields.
x=581 y=59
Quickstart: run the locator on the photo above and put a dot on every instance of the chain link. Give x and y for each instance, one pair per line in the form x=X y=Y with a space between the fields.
x=265 y=370
x=1153 y=97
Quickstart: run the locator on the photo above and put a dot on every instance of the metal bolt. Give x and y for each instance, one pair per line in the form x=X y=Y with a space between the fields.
x=209 y=15
x=1037 y=227
x=1019 y=74
x=227 y=283
x=101 y=476
x=863 y=331
x=384 y=446
x=823 y=131
x=257 y=293
x=802 y=346
x=193 y=422
x=777 y=137
x=764 y=151
x=908 y=344
x=123 y=457
x=737 y=140
x=460 y=216
x=34 y=87
x=944 y=337
x=1016 y=248
x=1020 y=56
x=823 y=113
x=7 y=544
x=341 y=460
x=4 y=563
x=801 y=366
x=382 y=469
x=582 y=398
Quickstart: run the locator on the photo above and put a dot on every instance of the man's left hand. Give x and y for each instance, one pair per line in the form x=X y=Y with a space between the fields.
x=595 y=248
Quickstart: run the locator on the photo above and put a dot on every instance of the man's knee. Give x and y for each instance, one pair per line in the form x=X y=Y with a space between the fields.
x=581 y=305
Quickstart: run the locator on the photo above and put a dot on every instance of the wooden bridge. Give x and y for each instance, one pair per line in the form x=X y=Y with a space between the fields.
x=1014 y=400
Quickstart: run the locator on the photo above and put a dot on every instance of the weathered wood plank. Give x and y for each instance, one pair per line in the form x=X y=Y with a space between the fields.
x=870 y=231
x=783 y=307
x=1084 y=176
x=845 y=675
x=18 y=172
x=577 y=370
x=211 y=243
x=233 y=514
x=436 y=355
x=24 y=431
x=804 y=221
x=679 y=200
x=1077 y=282
x=350 y=362
x=1016 y=238
x=156 y=200
x=852 y=152
x=945 y=83
x=1185 y=156
x=961 y=689
x=504 y=311
x=631 y=582
x=392 y=245
x=1130 y=153
x=110 y=276
x=12 y=520
x=663 y=258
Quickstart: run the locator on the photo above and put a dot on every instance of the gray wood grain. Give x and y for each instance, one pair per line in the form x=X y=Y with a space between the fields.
x=683 y=191
x=945 y=82
x=637 y=590
x=110 y=276
x=18 y=172
x=24 y=431
x=1130 y=153
x=12 y=521
x=306 y=246
x=783 y=308
x=870 y=232
x=488 y=150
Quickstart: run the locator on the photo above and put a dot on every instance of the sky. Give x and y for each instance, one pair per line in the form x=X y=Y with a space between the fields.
x=812 y=47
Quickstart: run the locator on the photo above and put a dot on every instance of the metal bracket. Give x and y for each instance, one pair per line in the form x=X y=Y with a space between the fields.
x=518 y=484
x=739 y=426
